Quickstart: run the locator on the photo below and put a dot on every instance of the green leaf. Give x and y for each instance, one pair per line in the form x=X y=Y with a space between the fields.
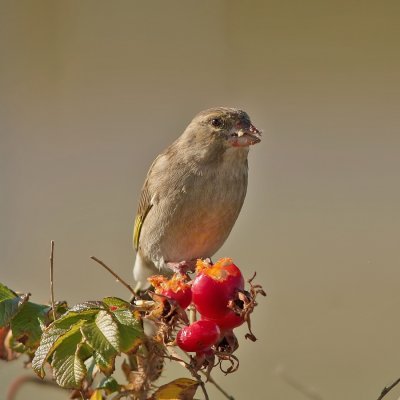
x=109 y=384
x=130 y=330
x=8 y=309
x=56 y=332
x=114 y=303
x=102 y=336
x=6 y=293
x=87 y=305
x=129 y=323
x=10 y=304
x=68 y=367
x=27 y=324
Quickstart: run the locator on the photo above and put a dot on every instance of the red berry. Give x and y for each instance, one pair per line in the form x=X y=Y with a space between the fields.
x=175 y=288
x=199 y=336
x=228 y=321
x=214 y=286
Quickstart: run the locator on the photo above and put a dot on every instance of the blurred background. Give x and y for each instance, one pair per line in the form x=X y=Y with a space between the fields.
x=91 y=92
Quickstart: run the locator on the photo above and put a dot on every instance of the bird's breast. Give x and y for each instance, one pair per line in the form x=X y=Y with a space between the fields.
x=204 y=213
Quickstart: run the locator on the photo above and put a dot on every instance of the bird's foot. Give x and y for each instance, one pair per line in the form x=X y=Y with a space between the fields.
x=182 y=267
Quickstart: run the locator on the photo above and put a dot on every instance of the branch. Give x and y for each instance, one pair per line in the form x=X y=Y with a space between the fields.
x=299 y=386
x=51 y=279
x=211 y=380
x=119 y=279
x=387 y=389
x=173 y=356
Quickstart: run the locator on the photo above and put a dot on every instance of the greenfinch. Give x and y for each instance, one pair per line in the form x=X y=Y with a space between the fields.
x=193 y=193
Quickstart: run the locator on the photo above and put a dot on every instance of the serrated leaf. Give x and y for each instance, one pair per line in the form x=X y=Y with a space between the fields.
x=6 y=293
x=129 y=322
x=85 y=352
x=103 y=337
x=8 y=309
x=55 y=333
x=114 y=303
x=87 y=305
x=10 y=304
x=27 y=324
x=130 y=329
x=68 y=367
x=109 y=384
x=178 y=389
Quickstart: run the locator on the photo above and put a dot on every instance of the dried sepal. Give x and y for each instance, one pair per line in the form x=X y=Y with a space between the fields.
x=244 y=304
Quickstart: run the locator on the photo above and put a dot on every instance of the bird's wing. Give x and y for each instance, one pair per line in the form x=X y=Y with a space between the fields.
x=143 y=209
x=145 y=203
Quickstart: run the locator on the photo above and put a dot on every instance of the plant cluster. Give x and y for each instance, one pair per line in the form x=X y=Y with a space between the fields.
x=80 y=344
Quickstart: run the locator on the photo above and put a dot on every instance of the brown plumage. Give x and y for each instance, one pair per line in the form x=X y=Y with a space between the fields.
x=193 y=192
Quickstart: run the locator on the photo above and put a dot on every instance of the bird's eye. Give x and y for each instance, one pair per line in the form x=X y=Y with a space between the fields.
x=217 y=122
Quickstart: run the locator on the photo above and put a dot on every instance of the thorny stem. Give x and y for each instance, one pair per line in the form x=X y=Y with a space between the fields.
x=387 y=389
x=129 y=287
x=51 y=278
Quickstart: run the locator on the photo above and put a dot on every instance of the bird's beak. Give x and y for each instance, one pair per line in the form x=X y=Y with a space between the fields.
x=243 y=137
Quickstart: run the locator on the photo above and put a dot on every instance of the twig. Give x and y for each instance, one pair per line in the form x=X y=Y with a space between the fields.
x=22 y=380
x=299 y=386
x=212 y=381
x=115 y=275
x=387 y=389
x=203 y=388
x=51 y=278
x=173 y=356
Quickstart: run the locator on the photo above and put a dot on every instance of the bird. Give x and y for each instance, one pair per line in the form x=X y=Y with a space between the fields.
x=193 y=193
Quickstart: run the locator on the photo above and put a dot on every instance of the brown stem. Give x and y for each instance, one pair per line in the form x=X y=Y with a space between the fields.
x=299 y=386
x=387 y=389
x=209 y=378
x=115 y=275
x=212 y=381
x=51 y=278
x=173 y=356
x=203 y=388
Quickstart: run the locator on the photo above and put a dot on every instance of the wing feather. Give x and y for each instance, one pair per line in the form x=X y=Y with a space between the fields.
x=145 y=204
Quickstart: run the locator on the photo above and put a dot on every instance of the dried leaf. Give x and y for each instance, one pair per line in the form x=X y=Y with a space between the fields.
x=178 y=389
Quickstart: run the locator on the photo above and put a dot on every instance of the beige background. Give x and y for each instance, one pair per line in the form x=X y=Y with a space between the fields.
x=91 y=91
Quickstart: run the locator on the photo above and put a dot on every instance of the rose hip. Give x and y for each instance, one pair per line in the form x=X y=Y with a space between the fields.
x=214 y=286
x=198 y=337
x=176 y=288
x=228 y=321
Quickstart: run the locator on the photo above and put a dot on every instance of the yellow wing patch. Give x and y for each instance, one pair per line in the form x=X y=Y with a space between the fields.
x=138 y=227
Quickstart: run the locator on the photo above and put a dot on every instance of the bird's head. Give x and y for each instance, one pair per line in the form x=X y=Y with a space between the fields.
x=227 y=126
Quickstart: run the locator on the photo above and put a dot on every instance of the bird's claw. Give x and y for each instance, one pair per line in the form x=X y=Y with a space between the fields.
x=182 y=267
